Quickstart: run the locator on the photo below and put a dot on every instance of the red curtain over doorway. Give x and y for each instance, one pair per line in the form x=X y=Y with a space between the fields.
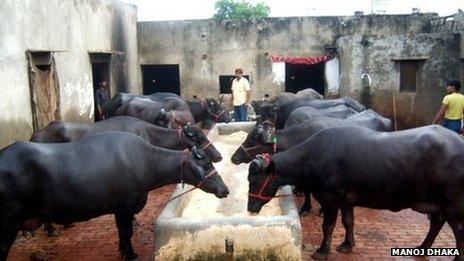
x=299 y=60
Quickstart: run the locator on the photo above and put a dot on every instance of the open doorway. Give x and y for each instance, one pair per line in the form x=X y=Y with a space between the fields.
x=302 y=76
x=43 y=81
x=100 y=73
x=161 y=78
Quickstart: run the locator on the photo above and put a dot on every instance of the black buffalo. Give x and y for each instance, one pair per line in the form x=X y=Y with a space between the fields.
x=121 y=98
x=208 y=109
x=108 y=173
x=260 y=140
x=344 y=167
x=200 y=109
x=183 y=138
x=286 y=97
x=371 y=118
x=170 y=112
x=186 y=137
x=303 y=114
x=284 y=111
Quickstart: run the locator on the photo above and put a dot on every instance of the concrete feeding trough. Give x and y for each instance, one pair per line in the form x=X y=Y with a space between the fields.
x=197 y=225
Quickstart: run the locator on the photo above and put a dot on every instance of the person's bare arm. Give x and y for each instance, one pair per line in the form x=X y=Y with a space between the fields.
x=440 y=113
x=248 y=95
x=462 y=124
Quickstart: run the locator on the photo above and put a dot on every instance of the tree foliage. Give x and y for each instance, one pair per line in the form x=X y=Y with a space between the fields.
x=232 y=9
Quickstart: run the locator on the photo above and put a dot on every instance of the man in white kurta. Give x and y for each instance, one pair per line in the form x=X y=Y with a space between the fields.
x=240 y=95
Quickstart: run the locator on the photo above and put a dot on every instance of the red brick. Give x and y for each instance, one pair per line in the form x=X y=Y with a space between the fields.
x=375 y=233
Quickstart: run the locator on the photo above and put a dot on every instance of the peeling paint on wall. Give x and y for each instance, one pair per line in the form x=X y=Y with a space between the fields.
x=72 y=30
x=332 y=75
x=278 y=73
x=82 y=90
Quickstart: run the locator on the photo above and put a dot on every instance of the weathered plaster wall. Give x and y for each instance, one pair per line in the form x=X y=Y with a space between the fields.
x=366 y=44
x=70 y=29
x=374 y=55
x=229 y=45
x=371 y=51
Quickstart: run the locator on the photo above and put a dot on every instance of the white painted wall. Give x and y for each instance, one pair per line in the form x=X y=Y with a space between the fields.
x=70 y=29
x=332 y=76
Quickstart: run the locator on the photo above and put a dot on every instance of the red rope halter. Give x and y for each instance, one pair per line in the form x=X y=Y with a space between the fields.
x=271 y=175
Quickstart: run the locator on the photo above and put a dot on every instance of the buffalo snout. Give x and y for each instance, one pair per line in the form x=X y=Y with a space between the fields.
x=222 y=193
x=254 y=206
x=235 y=159
x=218 y=159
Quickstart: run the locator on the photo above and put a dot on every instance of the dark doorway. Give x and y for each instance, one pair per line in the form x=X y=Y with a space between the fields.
x=161 y=78
x=225 y=83
x=100 y=73
x=301 y=76
x=43 y=81
x=100 y=68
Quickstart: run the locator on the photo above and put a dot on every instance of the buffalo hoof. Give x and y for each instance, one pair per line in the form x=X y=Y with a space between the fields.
x=320 y=255
x=421 y=247
x=131 y=257
x=128 y=255
x=345 y=247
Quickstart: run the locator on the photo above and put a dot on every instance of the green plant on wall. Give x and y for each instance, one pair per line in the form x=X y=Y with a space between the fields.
x=231 y=9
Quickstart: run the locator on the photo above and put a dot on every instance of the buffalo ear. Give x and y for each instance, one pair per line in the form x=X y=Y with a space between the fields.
x=256 y=166
x=198 y=171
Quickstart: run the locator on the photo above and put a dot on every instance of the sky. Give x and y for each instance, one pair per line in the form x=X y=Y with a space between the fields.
x=152 y=10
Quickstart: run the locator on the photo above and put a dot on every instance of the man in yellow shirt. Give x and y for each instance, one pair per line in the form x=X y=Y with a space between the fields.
x=452 y=107
x=240 y=95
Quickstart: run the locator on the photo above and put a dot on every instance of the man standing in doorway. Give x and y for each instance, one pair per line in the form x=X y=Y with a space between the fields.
x=102 y=96
x=452 y=107
x=240 y=95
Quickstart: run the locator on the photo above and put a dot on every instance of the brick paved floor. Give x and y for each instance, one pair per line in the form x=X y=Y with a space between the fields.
x=93 y=240
x=375 y=233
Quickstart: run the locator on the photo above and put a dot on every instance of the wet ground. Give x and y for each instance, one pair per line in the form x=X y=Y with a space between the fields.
x=375 y=233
